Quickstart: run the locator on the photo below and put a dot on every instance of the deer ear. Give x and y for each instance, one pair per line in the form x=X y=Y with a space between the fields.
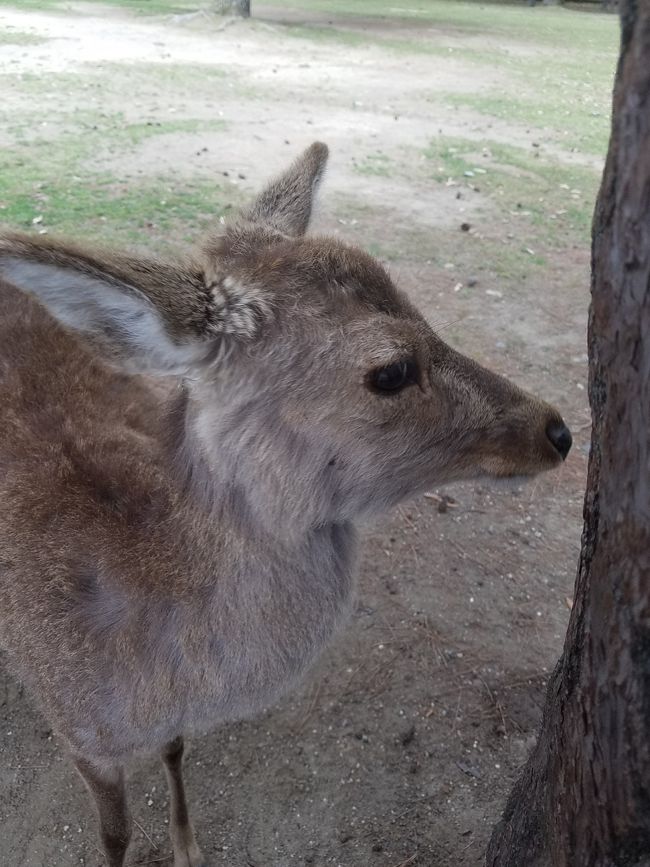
x=286 y=204
x=143 y=316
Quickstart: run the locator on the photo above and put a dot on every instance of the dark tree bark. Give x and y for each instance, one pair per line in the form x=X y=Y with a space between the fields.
x=233 y=7
x=583 y=799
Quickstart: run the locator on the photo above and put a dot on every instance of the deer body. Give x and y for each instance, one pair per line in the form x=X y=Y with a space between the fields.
x=185 y=450
x=196 y=617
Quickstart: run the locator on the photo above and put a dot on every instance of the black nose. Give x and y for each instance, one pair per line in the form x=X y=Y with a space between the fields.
x=560 y=435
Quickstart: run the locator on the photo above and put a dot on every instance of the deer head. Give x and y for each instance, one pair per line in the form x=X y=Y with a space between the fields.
x=313 y=388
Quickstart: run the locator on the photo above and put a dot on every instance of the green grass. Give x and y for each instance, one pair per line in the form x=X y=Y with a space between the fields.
x=375 y=164
x=159 y=210
x=114 y=77
x=552 y=25
x=339 y=33
x=549 y=202
x=570 y=123
x=164 y=86
x=157 y=7
x=17 y=37
x=54 y=174
x=48 y=185
x=316 y=33
x=140 y=7
x=26 y=5
x=102 y=130
x=121 y=131
x=483 y=251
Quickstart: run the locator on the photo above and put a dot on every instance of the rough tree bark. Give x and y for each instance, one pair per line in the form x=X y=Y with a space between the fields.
x=583 y=799
x=233 y=7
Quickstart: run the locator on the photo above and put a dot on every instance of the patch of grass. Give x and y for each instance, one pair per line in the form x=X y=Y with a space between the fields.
x=103 y=130
x=163 y=86
x=541 y=198
x=111 y=78
x=43 y=5
x=529 y=208
x=317 y=33
x=157 y=7
x=571 y=123
x=360 y=39
x=97 y=207
x=555 y=26
x=117 y=213
x=139 y=7
x=50 y=175
x=17 y=37
x=121 y=132
x=45 y=184
x=340 y=32
x=171 y=73
x=374 y=164
x=395 y=240
x=104 y=85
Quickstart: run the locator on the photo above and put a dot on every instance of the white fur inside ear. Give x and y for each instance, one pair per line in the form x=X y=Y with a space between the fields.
x=123 y=318
x=237 y=309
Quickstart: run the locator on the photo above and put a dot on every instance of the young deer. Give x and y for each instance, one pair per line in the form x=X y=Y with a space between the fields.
x=175 y=556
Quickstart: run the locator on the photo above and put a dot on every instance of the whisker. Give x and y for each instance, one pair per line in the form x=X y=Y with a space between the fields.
x=440 y=326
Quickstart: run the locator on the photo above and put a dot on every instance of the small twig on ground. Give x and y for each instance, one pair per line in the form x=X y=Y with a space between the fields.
x=408 y=861
x=250 y=860
x=153 y=861
x=465 y=556
x=138 y=825
x=465 y=848
x=458 y=713
x=497 y=704
x=297 y=729
x=403 y=515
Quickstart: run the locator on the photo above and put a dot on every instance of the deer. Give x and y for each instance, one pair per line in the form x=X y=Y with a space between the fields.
x=187 y=451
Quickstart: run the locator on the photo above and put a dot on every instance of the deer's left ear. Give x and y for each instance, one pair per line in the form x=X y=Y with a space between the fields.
x=237 y=309
x=287 y=203
x=142 y=315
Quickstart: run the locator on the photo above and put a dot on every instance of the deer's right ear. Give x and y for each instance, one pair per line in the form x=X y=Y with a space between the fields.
x=286 y=204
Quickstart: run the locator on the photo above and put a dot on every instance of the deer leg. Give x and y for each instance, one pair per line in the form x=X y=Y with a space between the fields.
x=106 y=784
x=186 y=852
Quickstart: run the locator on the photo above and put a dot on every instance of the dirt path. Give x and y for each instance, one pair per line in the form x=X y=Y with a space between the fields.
x=407 y=738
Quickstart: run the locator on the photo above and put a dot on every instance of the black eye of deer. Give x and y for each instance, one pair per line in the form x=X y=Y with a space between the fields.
x=394 y=377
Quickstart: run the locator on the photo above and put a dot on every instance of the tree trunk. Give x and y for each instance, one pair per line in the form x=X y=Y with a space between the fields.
x=583 y=799
x=233 y=7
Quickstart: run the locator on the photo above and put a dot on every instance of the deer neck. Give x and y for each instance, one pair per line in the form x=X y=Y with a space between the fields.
x=230 y=483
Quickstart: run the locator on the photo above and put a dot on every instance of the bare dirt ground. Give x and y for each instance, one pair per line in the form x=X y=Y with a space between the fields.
x=402 y=746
